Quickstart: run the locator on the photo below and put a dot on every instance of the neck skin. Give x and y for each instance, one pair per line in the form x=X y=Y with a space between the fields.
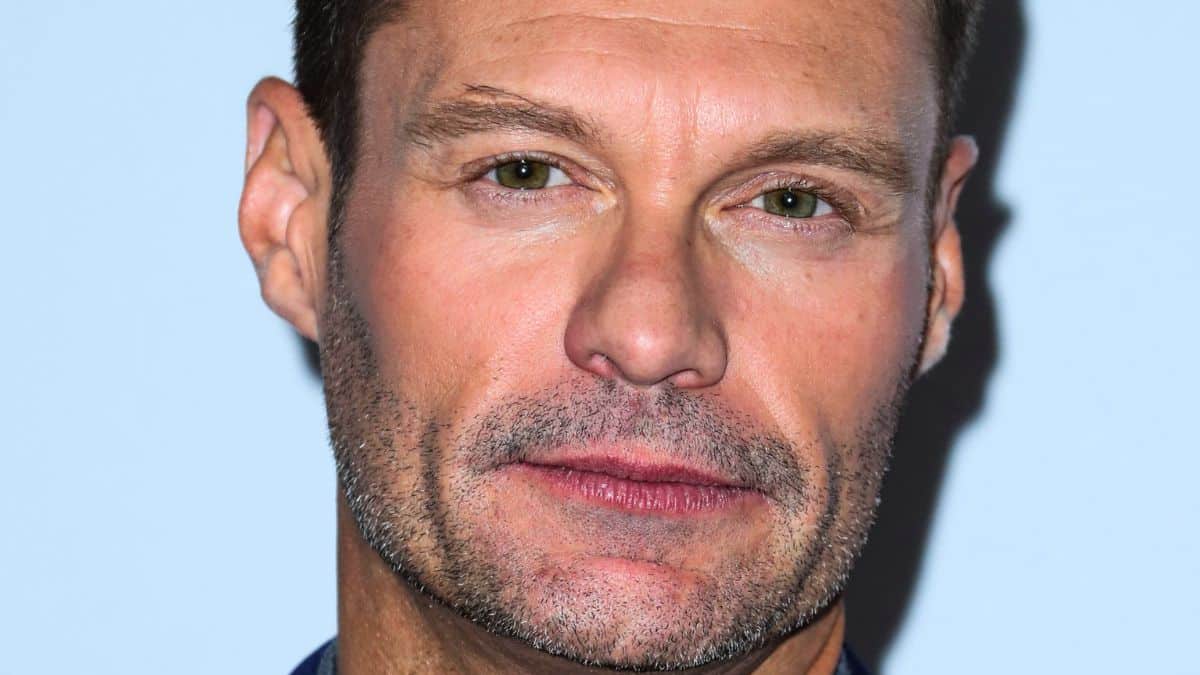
x=386 y=626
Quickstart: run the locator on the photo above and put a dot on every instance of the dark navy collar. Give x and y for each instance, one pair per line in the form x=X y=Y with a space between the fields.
x=324 y=662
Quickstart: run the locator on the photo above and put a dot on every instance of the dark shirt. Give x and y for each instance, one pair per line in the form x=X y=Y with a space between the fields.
x=324 y=662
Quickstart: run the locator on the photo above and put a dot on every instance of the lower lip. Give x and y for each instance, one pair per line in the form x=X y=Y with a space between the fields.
x=636 y=496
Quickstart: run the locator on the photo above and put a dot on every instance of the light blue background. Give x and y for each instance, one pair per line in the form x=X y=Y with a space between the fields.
x=167 y=496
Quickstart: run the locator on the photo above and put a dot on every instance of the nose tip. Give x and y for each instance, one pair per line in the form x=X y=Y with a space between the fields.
x=646 y=326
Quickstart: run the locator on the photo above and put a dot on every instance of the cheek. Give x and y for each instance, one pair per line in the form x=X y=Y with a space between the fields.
x=455 y=310
x=833 y=347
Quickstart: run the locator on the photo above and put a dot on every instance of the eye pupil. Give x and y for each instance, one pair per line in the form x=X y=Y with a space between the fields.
x=523 y=174
x=790 y=203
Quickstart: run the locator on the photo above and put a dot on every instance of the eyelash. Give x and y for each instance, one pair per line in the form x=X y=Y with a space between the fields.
x=482 y=169
x=845 y=207
x=843 y=204
x=477 y=172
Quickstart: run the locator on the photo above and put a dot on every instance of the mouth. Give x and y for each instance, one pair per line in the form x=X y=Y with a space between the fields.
x=636 y=486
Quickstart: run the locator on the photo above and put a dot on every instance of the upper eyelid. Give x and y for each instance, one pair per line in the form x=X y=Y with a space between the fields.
x=841 y=200
x=480 y=168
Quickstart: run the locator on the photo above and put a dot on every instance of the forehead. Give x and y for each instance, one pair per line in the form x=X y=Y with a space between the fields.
x=688 y=70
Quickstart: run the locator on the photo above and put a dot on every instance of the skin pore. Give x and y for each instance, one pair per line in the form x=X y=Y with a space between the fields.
x=616 y=327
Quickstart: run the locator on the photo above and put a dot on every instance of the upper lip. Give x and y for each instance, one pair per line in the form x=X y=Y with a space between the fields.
x=646 y=469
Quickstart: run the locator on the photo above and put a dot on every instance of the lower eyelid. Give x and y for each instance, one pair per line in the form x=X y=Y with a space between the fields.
x=826 y=222
x=492 y=192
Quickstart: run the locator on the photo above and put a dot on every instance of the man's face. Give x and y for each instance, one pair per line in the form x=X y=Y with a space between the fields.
x=625 y=300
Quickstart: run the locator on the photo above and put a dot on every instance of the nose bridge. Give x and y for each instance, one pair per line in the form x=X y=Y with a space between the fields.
x=652 y=276
x=645 y=316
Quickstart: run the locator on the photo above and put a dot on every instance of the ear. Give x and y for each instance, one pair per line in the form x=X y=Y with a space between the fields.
x=285 y=202
x=946 y=265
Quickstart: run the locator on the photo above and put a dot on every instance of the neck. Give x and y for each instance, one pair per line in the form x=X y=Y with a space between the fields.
x=387 y=626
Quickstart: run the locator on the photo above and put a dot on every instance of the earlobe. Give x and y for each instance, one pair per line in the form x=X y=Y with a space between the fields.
x=284 y=201
x=947 y=286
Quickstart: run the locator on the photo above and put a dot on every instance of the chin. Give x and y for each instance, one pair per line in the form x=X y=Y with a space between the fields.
x=619 y=609
x=628 y=614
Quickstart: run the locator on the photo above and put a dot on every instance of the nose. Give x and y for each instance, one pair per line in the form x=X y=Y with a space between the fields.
x=646 y=317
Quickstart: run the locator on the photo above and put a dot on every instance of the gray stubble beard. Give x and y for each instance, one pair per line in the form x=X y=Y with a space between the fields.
x=420 y=537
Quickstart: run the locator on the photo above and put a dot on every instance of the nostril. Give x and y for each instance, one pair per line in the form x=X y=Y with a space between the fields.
x=688 y=379
x=601 y=365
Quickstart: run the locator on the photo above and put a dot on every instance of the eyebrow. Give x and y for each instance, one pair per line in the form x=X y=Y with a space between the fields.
x=861 y=152
x=487 y=109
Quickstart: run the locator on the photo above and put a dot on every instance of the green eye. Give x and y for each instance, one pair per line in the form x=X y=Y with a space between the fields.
x=789 y=203
x=523 y=174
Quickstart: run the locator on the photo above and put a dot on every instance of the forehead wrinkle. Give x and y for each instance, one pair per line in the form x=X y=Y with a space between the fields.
x=653 y=19
x=655 y=24
x=863 y=19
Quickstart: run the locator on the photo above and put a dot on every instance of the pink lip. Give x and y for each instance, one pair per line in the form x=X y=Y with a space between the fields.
x=635 y=486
